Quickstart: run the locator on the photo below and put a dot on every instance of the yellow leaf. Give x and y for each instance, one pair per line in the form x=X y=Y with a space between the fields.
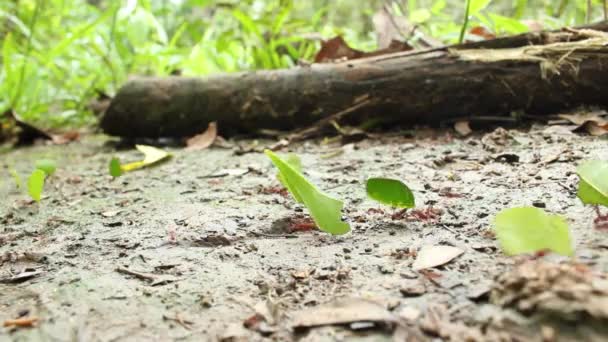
x=152 y=155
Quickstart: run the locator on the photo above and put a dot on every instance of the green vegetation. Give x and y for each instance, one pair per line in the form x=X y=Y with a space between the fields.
x=57 y=55
x=530 y=230
x=325 y=211
x=390 y=192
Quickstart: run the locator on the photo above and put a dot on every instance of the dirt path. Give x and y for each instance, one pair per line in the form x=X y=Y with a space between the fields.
x=192 y=249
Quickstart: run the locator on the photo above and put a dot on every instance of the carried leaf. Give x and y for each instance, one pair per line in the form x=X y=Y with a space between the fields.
x=203 y=140
x=593 y=184
x=391 y=192
x=152 y=155
x=47 y=165
x=35 y=184
x=325 y=211
x=433 y=256
x=114 y=168
x=529 y=230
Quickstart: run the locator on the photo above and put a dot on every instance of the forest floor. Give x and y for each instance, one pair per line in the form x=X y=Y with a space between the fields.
x=204 y=245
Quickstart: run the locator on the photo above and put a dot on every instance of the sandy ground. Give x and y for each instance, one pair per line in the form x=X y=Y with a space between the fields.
x=199 y=247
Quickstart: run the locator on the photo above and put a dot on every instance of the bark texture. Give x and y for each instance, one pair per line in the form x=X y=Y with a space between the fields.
x=537 y=73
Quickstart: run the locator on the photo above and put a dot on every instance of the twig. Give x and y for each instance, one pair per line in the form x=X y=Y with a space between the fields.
x=183 y=322
x=316 y=127
x=21 y=322
x=140 y=275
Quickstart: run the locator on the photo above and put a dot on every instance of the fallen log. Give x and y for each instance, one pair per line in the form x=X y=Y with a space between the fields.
x=537 y=73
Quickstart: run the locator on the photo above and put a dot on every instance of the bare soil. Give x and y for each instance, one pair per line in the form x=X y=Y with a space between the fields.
x=192 y=249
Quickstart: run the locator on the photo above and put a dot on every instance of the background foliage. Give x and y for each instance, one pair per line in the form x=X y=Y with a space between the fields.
x=59 y=54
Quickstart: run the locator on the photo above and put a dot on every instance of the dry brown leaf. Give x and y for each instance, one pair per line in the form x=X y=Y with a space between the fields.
x=343 y=311
x=336 y=49
x=432 y=256
x=482 y=32
x=203 y=140
x=592 y=122
x=389 y=27
x=569 y=290
x=462 y=127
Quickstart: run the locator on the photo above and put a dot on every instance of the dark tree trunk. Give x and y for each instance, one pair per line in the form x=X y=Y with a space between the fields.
x=536 y=73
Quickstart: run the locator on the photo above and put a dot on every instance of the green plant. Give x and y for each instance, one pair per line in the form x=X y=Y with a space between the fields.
x=390 y=192
x=529 y=230
x=325 y=211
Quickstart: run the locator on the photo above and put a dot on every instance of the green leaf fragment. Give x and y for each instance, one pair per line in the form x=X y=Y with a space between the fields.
x=528 y=230
x=47 y=165
x=391 y=192
x=35 y=184
x=325 y=211
x=114 y=167
x=593 y=185
x=294 y=161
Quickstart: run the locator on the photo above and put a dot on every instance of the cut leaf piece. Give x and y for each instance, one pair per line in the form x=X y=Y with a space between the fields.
x=152 y=155
x=114 y=168
x=47 y=165
x=593 y=184
x=528 y=230
x=433 y=256
x=203 y=140
x=294 y=161
x=391 y=192
x=325 y=211
x=35 y=184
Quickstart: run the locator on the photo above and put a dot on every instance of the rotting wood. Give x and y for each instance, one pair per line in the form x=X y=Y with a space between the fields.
x=536 y=73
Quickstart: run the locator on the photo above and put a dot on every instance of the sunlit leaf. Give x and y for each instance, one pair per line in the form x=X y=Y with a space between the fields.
x=478 y=5
x=391 y=192
x=420 y=15
x=528 y=230
x=35 y=184
x=152 y=155
x=593 y=184
x=114 y=168
x=47 y=165
x=325 y=211
x=507 y=25
x=294 y=161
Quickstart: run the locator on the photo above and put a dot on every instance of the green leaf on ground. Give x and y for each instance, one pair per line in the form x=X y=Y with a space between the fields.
x=528 y=230
x=152 y=155
x=390 y=192
x=47 y=165
x=35 y=184
x=114 y=167
x=593 y=184
x=325 y=211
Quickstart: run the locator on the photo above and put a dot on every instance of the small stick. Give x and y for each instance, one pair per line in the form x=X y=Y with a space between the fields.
x=21 y=322
x=144 y=276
